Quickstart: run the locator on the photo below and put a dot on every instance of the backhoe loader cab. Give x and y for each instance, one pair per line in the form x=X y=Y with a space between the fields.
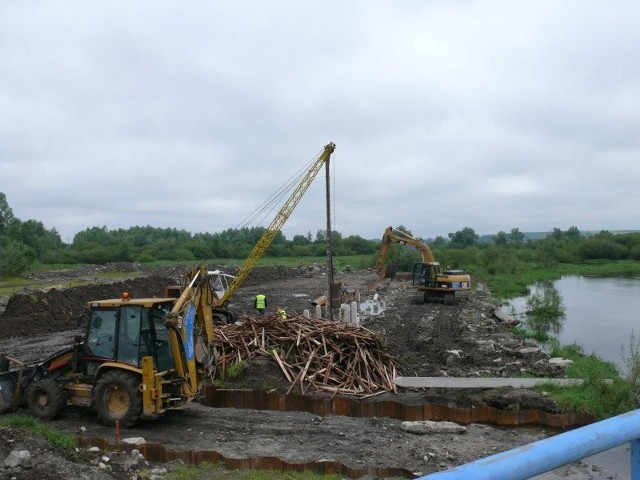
x=126 y=331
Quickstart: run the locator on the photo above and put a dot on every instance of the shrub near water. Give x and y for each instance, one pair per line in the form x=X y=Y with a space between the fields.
x=594 y=397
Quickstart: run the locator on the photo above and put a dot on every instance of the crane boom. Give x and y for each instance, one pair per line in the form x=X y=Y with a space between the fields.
x=276 y=224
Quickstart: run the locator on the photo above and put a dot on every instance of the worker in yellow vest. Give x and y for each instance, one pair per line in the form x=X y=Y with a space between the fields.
x=261 y=303
x=282 y=313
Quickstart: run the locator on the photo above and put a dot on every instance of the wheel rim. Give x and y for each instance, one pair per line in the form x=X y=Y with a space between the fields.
x=42 y=400
x=117 y=401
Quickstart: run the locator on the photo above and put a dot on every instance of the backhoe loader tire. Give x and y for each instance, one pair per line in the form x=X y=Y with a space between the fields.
x=118 y=398
x=222 y=317
x=46 y=398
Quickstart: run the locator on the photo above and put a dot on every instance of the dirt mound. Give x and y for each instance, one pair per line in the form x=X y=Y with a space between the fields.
x=54 y=310
x=36 y=311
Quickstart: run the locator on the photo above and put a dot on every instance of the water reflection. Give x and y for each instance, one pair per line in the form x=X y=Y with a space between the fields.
x=545 y=309
x=599 y=313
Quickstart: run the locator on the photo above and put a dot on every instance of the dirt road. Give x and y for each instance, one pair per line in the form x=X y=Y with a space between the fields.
x=432 y=339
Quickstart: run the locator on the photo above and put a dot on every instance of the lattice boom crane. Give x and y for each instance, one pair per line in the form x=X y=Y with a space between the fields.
x=272 y=231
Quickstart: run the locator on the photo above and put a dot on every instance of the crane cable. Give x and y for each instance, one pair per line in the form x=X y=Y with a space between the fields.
x=264 y=210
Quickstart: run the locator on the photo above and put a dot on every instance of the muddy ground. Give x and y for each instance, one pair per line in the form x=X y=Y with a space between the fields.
x=432 y=339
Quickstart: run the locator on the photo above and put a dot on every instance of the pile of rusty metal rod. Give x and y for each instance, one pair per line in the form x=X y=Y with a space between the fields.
x=315 y=354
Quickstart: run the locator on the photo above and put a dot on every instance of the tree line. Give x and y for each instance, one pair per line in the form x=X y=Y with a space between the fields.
x=24 y=244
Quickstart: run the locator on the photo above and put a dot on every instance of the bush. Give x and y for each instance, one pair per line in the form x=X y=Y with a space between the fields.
x=16 y=258
x=596 y=248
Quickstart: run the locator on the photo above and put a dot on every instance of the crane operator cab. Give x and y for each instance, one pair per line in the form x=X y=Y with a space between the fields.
x=125 y=332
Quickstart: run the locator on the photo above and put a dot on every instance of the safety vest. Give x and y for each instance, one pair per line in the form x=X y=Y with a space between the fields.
x=261 y=301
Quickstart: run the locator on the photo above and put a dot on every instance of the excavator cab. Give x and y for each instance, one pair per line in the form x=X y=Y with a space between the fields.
x=126 y=332
x=426 y=273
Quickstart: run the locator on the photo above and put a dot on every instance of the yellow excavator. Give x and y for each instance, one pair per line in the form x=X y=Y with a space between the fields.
x=139 y=357
x=428 y=275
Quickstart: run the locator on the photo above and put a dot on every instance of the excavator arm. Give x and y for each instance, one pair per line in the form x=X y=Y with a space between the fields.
x=392 y=235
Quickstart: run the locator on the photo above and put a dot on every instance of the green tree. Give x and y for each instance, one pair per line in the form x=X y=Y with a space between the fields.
x=501 y=238
x=6 y=214
x=300 y=240
x=556 y=234
x=466 y=236
x=573 y=233
x=516 y=236
x=440 y=240
x=358 y=245
x=601 y=248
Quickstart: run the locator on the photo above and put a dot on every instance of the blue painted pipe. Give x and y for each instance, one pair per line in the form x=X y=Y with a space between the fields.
x=553 y=452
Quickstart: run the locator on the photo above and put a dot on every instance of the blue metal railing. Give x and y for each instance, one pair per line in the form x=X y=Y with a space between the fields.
x=544 y=455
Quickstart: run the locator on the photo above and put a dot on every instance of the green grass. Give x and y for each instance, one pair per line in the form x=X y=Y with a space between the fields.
x=39 y=429
x=509 y=285
x=235 y=370
x=11 y=285
x=517 y=282
x=219 y=471
x=538 y=335
x=593 y=397
x=355 y=261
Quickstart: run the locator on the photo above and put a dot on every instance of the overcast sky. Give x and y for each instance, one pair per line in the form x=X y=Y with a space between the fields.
x=446 y=114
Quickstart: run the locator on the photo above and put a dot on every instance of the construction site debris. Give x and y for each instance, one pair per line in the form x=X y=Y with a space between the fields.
x=423 y=427
x=316 y=355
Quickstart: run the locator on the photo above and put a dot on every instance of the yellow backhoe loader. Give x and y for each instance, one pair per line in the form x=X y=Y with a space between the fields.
x=427 y=276
x=139 y=357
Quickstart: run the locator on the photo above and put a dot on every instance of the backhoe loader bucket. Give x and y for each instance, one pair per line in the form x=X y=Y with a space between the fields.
x=10 y=380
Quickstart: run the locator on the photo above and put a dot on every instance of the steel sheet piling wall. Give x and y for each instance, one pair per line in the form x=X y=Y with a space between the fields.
x=378 y=407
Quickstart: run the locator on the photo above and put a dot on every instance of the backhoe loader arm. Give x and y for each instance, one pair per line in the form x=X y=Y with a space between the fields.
x=191 y=317
x=272 y=231
x=392 y=235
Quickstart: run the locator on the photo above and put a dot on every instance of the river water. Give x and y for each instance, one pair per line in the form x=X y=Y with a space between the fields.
x=600 y=314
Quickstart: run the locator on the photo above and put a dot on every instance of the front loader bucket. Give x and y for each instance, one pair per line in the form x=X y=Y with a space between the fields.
x=8 y=386
x=10 y=382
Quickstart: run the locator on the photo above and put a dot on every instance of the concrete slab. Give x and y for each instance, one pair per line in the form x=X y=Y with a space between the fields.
x=468 y=382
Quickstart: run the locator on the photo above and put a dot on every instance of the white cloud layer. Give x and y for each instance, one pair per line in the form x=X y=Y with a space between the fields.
x=491 y=115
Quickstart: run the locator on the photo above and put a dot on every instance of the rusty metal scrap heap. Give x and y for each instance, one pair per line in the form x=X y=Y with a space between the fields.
x=316 y=355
